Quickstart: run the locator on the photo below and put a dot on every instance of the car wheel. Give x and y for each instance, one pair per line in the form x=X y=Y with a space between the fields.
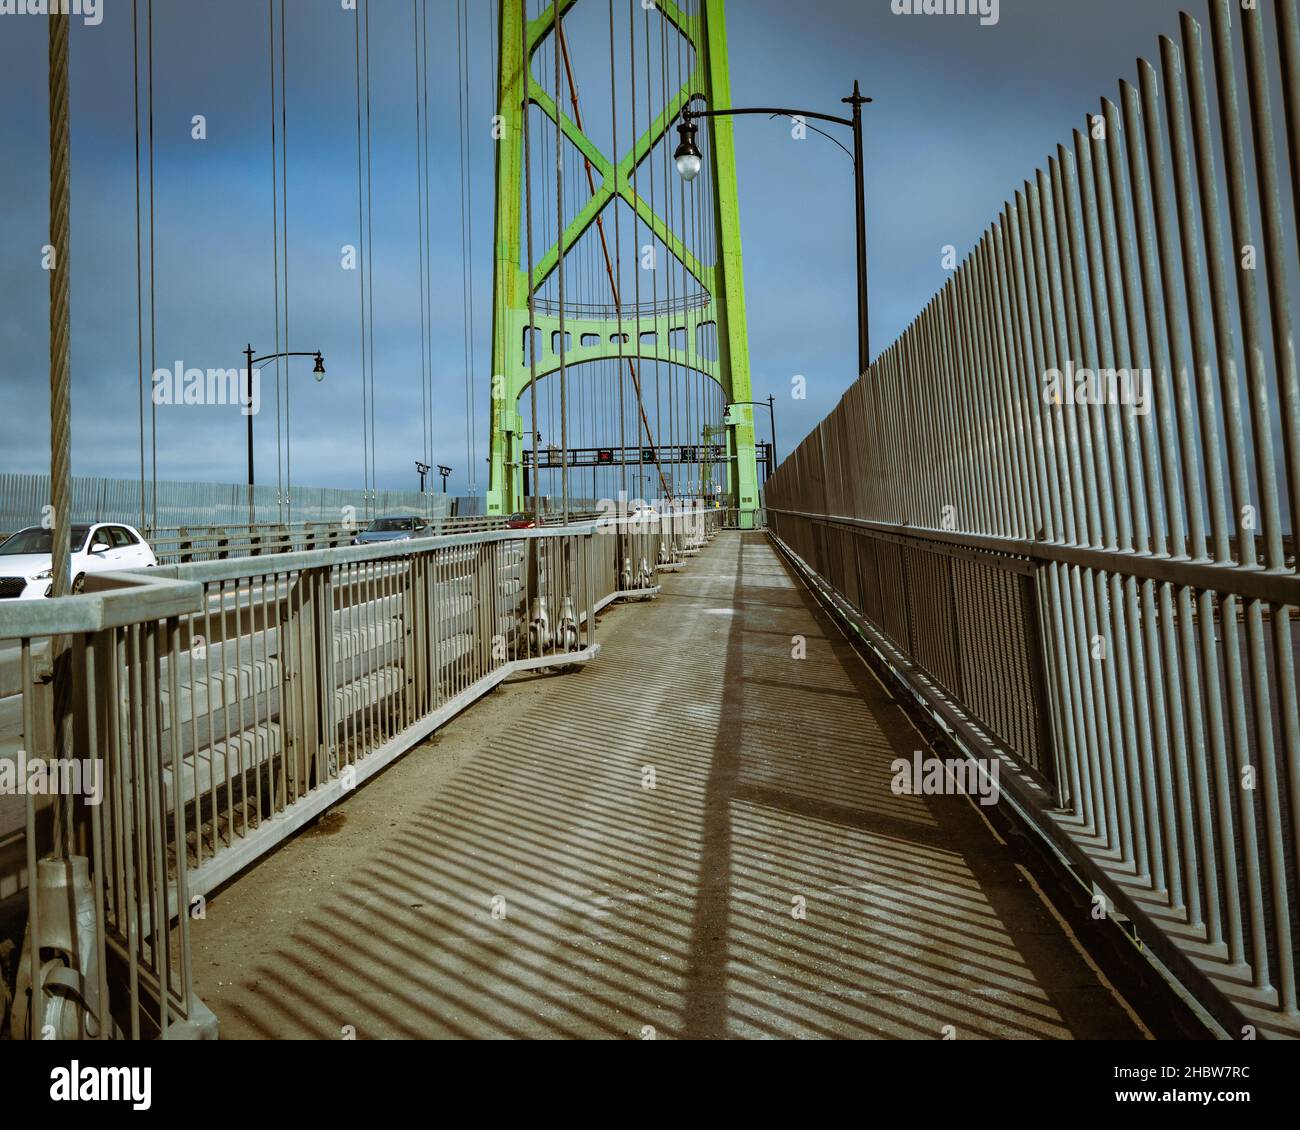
x=79 y=584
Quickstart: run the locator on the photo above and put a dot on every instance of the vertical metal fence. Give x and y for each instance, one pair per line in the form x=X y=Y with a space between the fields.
x=23 y=499
x=1067 y=498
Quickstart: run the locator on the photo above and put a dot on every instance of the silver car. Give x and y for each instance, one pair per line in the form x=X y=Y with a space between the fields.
x=398 y=528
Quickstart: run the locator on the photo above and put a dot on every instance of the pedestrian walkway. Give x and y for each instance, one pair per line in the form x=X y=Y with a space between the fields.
x=694 y=837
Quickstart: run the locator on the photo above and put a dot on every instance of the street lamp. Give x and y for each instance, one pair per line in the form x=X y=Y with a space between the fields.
x=252 y=362
x=688 y=156
x=770 y=405
x=690 y=161
x=423 y=469
x=444 y=472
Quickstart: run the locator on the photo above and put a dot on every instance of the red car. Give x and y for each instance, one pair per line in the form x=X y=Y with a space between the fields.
x=520 y=522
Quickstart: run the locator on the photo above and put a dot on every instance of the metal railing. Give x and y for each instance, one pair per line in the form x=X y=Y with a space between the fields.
x=183 y=544
x=1059 y=507
x=231 y=701
x=630 y=312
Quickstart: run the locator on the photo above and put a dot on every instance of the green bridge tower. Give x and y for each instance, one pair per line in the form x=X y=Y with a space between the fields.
x=722 y=282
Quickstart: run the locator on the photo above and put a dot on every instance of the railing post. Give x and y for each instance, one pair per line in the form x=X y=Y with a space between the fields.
x=300 y=704
x=484 y=603
x=1035 y=646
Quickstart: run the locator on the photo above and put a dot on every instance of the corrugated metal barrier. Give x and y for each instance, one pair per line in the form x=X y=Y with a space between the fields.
x=1062 y=505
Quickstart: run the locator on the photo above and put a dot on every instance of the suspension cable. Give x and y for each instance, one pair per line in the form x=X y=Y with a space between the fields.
x=419 y=207
x=153 y=307
x=275 y=251
x=427 y=313
x=604 y=243
x=284 y=235
x=139 y=251
x=362 y=263
x=370 y=286
x=466 y=235
x=560 y=217
x=526 y=79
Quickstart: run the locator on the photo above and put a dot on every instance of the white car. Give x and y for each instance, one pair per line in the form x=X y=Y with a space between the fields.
x=643 y=511
x=105 y=547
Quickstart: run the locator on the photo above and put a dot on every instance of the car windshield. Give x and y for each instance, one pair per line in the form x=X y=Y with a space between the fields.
x=37 y=540
x=519 y=517
x=391 y=525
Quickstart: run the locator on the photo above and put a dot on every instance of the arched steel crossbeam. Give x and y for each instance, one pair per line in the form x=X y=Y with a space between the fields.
x=597 y=339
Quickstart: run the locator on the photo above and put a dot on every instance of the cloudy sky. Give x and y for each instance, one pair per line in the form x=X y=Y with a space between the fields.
x=962 y=114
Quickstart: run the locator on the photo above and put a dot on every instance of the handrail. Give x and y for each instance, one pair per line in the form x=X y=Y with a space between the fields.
x=130 y=598
x=1253 y=582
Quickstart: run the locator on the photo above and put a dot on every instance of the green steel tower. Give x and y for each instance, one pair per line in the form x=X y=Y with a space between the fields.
x=722 y=282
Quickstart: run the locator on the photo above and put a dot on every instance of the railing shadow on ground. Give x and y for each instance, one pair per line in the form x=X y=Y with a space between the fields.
x=624 y=908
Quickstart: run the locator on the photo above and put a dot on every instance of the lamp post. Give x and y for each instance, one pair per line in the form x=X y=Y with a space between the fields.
x=690 y=161
x=252 y=363
x=423 y=469
x=444 y=472
x=770 y=405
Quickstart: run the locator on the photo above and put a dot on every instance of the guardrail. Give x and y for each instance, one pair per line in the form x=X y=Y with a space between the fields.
x=1056 y=510
x=228 y=702
x=183 y=544
x=179 y=545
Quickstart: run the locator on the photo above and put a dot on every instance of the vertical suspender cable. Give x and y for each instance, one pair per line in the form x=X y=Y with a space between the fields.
x=674 y=400
x=668 y=262
x=559 y=218
x=614 y=275
x=428 y=240
x=688 y=378
x=654 y=255
x=363 y=259
x=636 y=239
x=472 y=413
x=60 y=404
x=370 y=283
x=466 y=235
x=153 y=307
x=526 y=110
x=275 y=249
x=284 y=235
x=419 y=208
x=139 y=254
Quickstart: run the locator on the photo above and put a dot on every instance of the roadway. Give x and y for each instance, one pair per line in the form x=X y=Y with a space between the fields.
x=514 y=876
